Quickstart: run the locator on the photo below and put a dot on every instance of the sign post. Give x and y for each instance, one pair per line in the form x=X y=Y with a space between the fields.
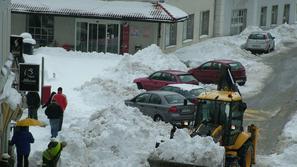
x=28 y=77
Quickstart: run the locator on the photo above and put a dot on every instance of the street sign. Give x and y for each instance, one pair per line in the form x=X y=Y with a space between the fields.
x=29 y=77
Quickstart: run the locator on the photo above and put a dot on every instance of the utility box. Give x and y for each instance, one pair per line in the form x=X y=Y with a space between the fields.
x=46 y=93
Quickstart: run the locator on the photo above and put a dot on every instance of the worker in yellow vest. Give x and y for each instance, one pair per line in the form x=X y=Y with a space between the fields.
x=51 y=155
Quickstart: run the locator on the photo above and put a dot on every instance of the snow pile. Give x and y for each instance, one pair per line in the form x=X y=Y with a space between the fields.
x=11 y=95
x=284 y=33
x=288 y=146
x=143 y=63
x=190 y=150
x=115 y=136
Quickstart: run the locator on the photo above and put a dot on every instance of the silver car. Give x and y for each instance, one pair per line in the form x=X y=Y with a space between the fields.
x=260 y=41
x=164 y=106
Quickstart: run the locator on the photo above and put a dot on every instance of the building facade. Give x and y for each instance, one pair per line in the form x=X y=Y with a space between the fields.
x=188 y=21
x=233 y=16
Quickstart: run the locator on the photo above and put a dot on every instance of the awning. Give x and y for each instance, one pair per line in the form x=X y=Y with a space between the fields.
x=114 y=10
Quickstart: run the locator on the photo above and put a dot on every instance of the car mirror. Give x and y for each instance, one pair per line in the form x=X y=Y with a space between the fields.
x=273 y=37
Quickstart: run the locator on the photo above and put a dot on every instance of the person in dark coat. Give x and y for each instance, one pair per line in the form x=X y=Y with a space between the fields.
x=61 y=99
x=54 y=113
x=49 y=100
x=33 y=103
x=51 y=155
x=22 y=139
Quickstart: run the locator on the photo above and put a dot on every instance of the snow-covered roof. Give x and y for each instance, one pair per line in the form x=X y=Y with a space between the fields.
x=127 y=10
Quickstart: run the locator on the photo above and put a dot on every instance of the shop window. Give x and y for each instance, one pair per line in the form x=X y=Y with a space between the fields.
x=274 y=12
x=170 y=34
x=205 y=23
x=263 y=16
x=238 y=21
x=41 y=27
x=286 y=13
x=188 y=27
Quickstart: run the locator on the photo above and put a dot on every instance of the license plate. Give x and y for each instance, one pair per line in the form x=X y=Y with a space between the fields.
x=186 y=110
x=239 y=80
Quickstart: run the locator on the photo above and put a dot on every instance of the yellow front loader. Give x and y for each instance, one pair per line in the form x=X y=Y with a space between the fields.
x=220 y=115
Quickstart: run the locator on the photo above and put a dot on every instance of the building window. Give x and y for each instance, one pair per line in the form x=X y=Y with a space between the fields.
x=263 y=16
x=205 y=23
x=41 y=27
x=188 y=28
x=238 y=21
x=286 y=13
x=274 y=12
x=170 y=34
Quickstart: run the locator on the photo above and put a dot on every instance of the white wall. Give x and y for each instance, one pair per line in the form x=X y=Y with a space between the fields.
x=195 y=7
x=4 y=30
x=224 y=8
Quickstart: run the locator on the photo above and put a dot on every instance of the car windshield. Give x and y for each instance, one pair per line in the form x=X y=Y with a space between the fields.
x=235 y=66
x=257 y=36
x=186 y=78
x=174 y=98
x=196 y=92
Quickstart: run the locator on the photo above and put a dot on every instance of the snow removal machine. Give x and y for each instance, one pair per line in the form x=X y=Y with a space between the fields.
x=220 y=115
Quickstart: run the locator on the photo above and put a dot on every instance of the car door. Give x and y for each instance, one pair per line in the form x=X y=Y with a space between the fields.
x=141 y=102
x=156 y=107
x=206 y=72
x=153 y=81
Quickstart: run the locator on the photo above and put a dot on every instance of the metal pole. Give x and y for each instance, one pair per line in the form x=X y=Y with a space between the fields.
x=42 y=76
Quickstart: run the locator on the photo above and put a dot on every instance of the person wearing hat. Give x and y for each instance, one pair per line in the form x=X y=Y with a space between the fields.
x=22 y=138
x=51 y=155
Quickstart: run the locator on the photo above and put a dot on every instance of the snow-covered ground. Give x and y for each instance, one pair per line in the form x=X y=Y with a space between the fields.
x=101 y=131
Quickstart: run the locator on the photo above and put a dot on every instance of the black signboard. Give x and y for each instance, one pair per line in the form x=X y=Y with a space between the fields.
x=29 y=77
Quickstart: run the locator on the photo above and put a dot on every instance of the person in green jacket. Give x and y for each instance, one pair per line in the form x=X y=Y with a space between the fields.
x=51 y=155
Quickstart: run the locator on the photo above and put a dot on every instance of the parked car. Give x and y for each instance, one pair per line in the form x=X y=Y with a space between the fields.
x=209 y=72
x=189 y=91
x=260 y=41
x=164 y=77
x=164 y=106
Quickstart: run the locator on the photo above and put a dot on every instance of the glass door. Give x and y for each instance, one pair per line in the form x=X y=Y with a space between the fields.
x=101 y=38
x=95 y=37
x=112 y=38
x=81 y=36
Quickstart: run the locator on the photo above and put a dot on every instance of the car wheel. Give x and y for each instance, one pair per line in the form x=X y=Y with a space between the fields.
x=245 y=154
x=139 y=85
x=241 y=83
x=158 y=118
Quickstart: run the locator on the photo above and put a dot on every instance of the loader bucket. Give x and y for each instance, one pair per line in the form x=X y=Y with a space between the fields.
x=163 y=163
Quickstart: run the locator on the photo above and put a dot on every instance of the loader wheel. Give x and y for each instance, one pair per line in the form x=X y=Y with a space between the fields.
x=246 y=153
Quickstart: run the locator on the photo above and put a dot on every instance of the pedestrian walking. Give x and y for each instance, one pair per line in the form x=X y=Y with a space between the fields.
x=51 y=155
x=54 y=113
x=22 y=138
x=49 y=100
x=62 y=101
x=33 y=103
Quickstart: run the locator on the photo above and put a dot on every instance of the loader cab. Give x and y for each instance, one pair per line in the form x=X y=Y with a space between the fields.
x=222 y=109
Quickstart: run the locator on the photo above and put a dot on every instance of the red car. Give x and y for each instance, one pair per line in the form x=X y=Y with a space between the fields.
x=162 y=78
x=209 y=72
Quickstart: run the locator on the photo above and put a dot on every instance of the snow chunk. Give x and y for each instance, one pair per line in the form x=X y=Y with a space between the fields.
x=198 y=150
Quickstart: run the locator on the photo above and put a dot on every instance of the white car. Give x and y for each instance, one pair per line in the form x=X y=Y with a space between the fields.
x=260 y=41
